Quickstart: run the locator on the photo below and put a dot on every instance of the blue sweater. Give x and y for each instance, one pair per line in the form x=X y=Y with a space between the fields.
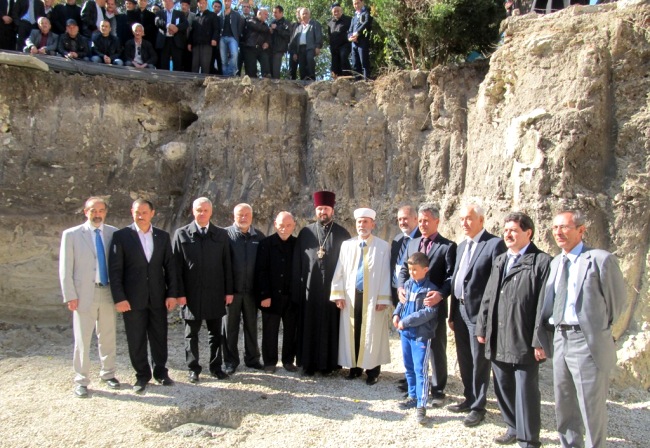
x=419 y=321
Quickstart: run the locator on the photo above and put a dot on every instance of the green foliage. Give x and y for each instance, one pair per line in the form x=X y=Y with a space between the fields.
x=425 y=33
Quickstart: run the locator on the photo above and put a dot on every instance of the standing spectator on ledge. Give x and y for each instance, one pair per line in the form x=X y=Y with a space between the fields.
x=83 y=271
x=340 y=46
x=92 y=14
x=61 y=13
x=139 y=53
x=42 y=40
x=25 y=15
x=273 y=270
x=584 y=296
x=144 y=285
x=202 y=252
x=203 y=38
x=216 y=65
x=172 y=39
x=244 y=241
x=506 y=326
x=257 y=43
x=232 y=27
x=106 y=47
x=190 y=16
x=7 y=26
x=73 y=45
x=359 y=35
x=293 y=62
x=306 y=42
x=280 y=35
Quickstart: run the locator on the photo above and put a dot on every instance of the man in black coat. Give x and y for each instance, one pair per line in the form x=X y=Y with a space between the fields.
x=205 y=285
x=244 y=241
x=474 y=261
x=256 y=45
x=273 y=269
x=143 y=277
x=340 y=46
x=62 y=13
x=407 y=220
x=506 y=326
x=146 y=18
x=172 y=36
x=280 y=35
x=92 y=13
x=204 y=37
x=7 y=26
x=138 y=52
x=442 y=257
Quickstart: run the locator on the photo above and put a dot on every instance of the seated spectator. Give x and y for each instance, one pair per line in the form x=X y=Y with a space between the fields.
x=139 y=53
x=42 y=40
x=72 y=45
x=106 y=46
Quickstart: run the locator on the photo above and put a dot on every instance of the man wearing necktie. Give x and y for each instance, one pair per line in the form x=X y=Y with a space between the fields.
x=506 y=324
x=84 y=282
x=474 y=261
x=361 y=290
x=205 y=285
x=584 y=295
x=442 y=257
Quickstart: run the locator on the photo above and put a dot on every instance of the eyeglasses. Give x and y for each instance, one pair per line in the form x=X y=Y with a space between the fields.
x=562 y=228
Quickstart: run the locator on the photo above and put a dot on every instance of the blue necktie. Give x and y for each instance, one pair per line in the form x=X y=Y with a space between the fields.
x=359 y=282
x=101 y=257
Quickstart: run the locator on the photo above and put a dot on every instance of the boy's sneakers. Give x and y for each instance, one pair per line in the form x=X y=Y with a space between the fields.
x=421 y=415
x=409 y=403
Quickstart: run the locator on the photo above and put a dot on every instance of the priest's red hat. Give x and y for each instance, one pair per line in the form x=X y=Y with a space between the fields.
x=324 y=198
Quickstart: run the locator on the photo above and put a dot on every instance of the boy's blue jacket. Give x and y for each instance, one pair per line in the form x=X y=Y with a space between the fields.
x=420 y=322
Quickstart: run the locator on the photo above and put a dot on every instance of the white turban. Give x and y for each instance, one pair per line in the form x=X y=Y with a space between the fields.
x=365 y=213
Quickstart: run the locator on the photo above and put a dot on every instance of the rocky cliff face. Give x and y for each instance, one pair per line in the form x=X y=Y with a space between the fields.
x=559 y=117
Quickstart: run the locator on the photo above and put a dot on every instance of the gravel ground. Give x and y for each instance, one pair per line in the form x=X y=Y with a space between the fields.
x=37 y=407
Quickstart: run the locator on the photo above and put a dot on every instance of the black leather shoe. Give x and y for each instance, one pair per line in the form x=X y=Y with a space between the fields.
x=506 y=439
x=230 y=370
x=113 y=383
x=290 y=367
x=257 y=366
x=194 y=377
x=372 y=380
x=269 y=369
x=81 y=391
x=460 y=407
x=308 y=372
x=219 y=374
x=474 y=418
x=165 y=381
x=354 y=373
x=140 y=386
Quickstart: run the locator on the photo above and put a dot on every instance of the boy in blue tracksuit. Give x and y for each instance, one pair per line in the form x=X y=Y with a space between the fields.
x=417 y=325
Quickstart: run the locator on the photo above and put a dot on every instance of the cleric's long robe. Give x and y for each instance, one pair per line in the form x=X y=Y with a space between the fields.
x=374 y=348
x=318 y=324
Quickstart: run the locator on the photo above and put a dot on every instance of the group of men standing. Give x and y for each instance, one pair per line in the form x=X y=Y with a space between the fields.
x=511 y=305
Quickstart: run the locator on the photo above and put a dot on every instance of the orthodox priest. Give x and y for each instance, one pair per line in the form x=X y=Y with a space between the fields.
x=361 y=290
x=316 y=253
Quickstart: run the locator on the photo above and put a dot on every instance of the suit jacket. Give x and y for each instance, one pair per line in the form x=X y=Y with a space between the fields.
x=60 y=15
x=361 y=24
x=273 y=270
x=442 y=258
x=34 y=40
x=237 y=23
x=204 y=271
x=178 y=19
x=143 y=283
x=149 y=55
x=147 y=19
x=601 y=296
x=395 y=247
x=78 y=263
x=488 y=248
x=89 y=18
x=314 y=37
x=22 y=6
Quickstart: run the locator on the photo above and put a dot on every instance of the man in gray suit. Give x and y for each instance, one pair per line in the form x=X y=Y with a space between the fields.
x=84 y=282
x=306 y=43
x=584 y=295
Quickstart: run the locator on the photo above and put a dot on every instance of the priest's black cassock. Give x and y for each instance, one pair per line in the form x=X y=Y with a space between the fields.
x=318 y=326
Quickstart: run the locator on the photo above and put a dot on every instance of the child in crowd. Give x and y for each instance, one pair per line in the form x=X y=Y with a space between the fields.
x=417 y=325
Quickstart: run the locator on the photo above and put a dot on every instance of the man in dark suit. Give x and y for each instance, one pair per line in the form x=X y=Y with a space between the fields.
x=42 y=40
x=25 y=14
x=144 y=286
x=407 y=220
x=474 y=260
x=62 y=13
x=7 y=26
x=273 y=268
x=584 y=295
x=146 y=18
x=442 y=256
x=359 y=35
x=506 y=326
x=172 y=36
x=205 y=285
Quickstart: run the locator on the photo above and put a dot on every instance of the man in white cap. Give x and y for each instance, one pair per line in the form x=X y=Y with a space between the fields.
x=361 y=290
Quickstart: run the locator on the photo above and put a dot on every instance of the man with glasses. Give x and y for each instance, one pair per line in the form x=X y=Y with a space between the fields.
x=584 y=295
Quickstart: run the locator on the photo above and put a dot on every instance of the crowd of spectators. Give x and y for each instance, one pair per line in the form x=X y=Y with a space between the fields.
x=210 y=38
